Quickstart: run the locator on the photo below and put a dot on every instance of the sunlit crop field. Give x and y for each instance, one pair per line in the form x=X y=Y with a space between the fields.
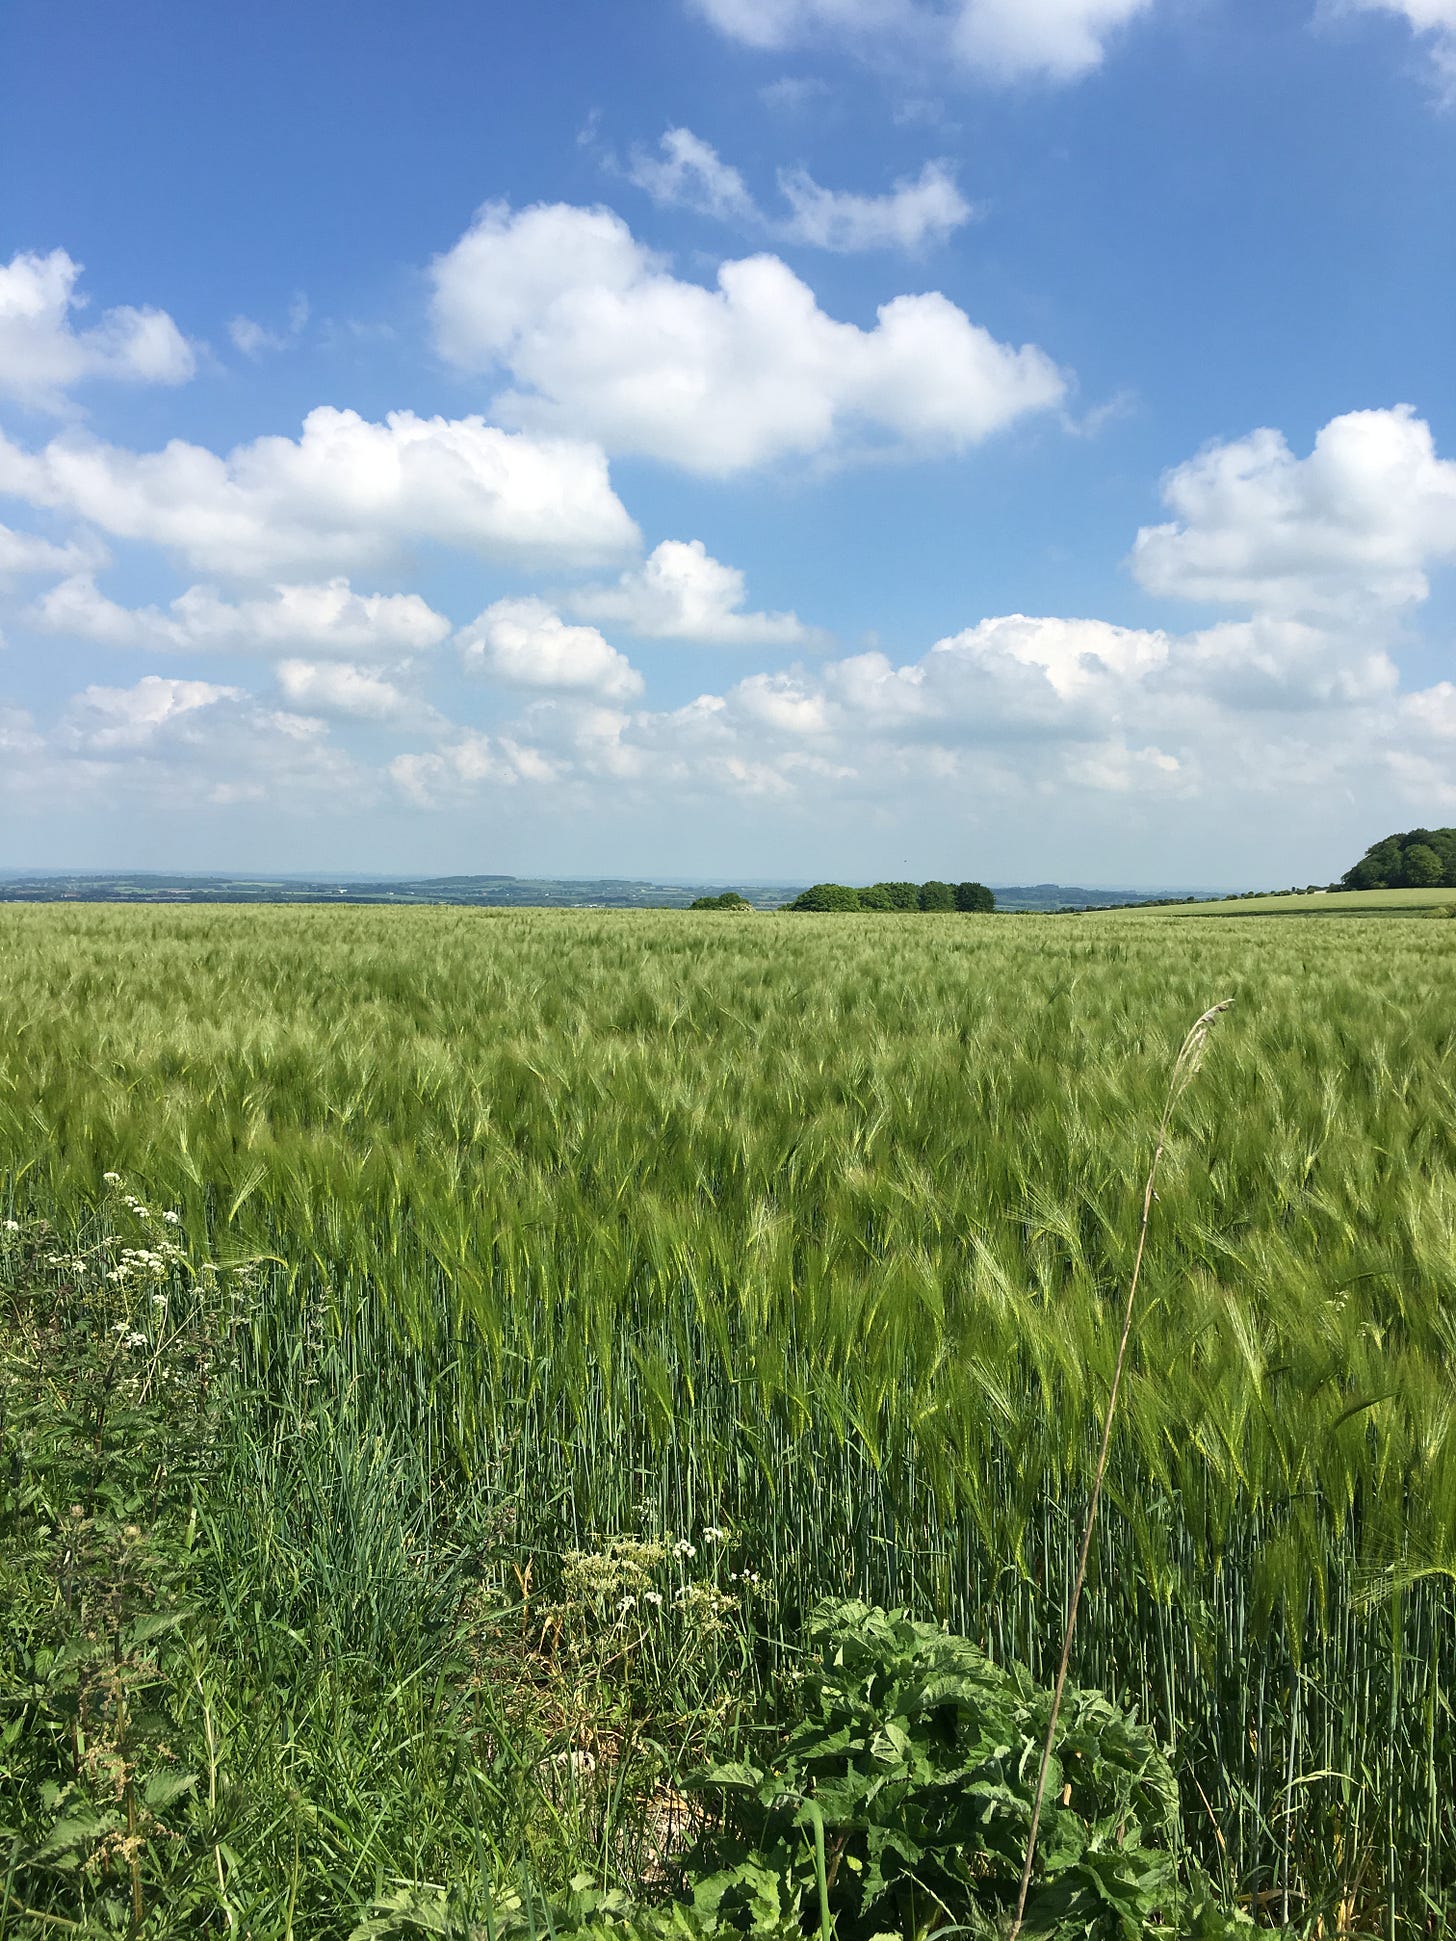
x=1321 y=903
x=817 y=1229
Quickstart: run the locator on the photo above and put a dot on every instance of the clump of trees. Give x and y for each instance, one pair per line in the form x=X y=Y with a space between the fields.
x=1416 y=859
x=973 y=898
x=729 y=900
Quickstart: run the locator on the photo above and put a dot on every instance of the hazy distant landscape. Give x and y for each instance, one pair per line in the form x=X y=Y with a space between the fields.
x=503 y=892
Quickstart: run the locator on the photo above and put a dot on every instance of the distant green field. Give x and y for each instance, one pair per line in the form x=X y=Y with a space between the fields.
x=1329 y=903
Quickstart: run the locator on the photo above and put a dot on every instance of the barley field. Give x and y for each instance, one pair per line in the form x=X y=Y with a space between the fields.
x=811 y=1234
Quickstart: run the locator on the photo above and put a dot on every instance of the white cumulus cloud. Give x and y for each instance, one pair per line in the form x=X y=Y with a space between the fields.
x=329 y=619
x=23 y=553
x=1007 y=40
x=43 y=355
x=467 y=763
x=525 y=643
x=1433 y=20
x=599 y=337
x=680 y=592
x=354 y=693
x=1351 y=528
x=106 y=718
x=918 y=210
x=690 y=174
x=344 y=494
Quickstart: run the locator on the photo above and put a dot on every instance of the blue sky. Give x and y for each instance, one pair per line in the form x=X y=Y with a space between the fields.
x=728 y=438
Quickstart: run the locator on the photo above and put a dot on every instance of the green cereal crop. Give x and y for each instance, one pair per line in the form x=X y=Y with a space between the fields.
x=816 y=1230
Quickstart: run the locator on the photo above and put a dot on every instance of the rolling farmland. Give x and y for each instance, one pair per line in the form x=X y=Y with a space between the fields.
x=800 y=1244
x=1323 y=903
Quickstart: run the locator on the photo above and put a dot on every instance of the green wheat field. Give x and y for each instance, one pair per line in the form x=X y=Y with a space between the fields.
x=760 y=1260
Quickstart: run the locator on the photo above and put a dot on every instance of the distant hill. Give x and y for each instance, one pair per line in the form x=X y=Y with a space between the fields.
x=1029 y=897
x=489 y=892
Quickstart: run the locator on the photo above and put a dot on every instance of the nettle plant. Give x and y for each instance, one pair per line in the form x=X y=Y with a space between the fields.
x=900 y=1804
x=895 y=1806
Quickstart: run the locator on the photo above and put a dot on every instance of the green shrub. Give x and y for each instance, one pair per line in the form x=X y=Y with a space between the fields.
x=897 y=1803
x=827 y=896
x=890 y=896
x=901 y=1801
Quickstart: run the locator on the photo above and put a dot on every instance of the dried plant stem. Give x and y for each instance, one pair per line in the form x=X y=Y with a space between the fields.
x=1184 y=1066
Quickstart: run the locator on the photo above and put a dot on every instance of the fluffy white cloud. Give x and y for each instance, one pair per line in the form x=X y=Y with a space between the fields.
x=43 y=355
x=1078 y=731
x=179 y=746
x=690 y=174
x=918 y=210
x=353 y=693
x=1008 y=40
x=329 y=619
x=526 y=644
x=680 y=592
x=1434 y=20
x=1348 y=530
x=599 y=337
x=101 y=719
x=23 y=553
x=346 y=493
x=469 y=762
x=1275 y=663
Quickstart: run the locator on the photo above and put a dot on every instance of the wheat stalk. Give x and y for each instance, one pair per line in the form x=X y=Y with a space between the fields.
x=1185 y=1065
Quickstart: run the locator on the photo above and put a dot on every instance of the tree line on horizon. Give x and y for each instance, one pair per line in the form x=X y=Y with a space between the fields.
x=971 y=898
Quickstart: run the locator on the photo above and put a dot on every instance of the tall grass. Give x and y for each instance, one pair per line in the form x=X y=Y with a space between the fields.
x=816 y=1229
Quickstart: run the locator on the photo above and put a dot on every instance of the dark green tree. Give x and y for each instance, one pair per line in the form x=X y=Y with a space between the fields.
x=1388 y=864
x=974 y=898
x=729 y=900
x=1421 y=867
x=898 y=896
x=937 y=896
x=826 y=896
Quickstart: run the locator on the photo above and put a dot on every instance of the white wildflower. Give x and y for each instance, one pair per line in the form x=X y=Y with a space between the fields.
x=652 y=1597
x=12 y=1226
x=714 y=1535
x=173 y=1219
x=136 y=1340
x=112 y=1179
